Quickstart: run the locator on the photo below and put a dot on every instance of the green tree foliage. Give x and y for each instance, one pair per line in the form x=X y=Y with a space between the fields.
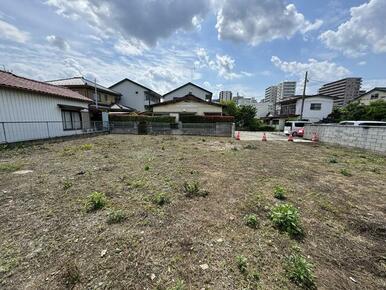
x=355 y=111
x=244 y=116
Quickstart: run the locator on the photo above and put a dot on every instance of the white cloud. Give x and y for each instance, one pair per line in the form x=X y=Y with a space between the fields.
x=363 y=62
x=11 y=32
x=130 y=47
x=255 y=22
x=318 y=70
x=369 y=84
x=364 y=31
x=223 y=64
x=58 y=42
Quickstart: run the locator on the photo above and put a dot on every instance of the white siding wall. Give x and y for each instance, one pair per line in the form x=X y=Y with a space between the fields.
x=313 y=115
x=188 y=107
x=19 y=106
x=182 y=92
x=129 y=96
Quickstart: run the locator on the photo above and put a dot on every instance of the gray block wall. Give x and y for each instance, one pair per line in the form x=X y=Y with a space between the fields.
x=370 y=138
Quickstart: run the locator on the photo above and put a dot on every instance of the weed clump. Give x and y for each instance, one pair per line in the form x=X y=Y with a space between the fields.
x=345 y=172
x=279 y=192
x=192 y=189
x=95 y=201
x=286 y=218
x=251 y=220
x=333 y=160
x=115 y=216
x=147 y=168
x=67 y=184
x=242 y=263
x=180 y=285
x=160 y=199
x=70 y=275
x=85 y=147
x=300 y=271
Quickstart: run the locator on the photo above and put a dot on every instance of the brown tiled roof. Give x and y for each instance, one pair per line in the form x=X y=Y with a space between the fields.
x=11 y=81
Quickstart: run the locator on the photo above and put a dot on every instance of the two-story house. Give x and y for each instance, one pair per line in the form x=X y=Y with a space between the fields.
x=378 y=93
x=102 y=98
x=135 y=95
x=188 y=89
x=315 y=108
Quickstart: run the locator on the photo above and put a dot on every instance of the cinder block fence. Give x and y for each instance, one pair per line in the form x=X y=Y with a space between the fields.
x=370 y=137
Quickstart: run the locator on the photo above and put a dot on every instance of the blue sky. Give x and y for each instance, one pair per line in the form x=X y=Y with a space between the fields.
x=238 y=45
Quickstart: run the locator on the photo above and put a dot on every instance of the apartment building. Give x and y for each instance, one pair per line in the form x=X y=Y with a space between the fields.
x=343 y=90
x=270 y=94
x=225 y=96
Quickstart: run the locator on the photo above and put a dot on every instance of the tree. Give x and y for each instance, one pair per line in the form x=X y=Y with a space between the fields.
x=376 y=111
x=246 y=116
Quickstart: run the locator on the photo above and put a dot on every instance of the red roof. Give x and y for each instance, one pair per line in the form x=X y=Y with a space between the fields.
x=11 y=81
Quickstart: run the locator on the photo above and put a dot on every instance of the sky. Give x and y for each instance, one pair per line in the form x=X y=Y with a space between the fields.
x=238 y=45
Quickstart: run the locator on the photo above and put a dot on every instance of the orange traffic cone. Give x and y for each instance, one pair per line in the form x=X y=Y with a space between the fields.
x=290 y=138
x=314 y=138
x=264 y=137
x=238 y=135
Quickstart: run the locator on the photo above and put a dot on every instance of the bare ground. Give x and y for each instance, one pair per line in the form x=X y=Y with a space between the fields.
x=49 y=241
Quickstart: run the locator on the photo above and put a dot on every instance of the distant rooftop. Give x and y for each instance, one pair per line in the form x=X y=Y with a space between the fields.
x=12 y=81
x=81 y=81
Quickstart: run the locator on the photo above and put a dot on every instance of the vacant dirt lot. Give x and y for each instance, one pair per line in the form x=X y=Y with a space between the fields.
x=49 y=241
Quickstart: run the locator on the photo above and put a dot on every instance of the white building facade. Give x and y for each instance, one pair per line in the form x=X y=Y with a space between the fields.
x=135 y=95
x=372 y=95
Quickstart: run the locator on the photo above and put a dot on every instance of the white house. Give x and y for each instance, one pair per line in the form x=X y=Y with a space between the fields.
x=315 y=108
x=135 y=95
x=378 y=93
x=188 y=89
x=187 y=105
x=32 y=110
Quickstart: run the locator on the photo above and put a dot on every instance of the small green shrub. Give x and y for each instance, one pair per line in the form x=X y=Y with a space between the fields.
x=251 y=220
x=279 y=192
x=242 y=263
x=160 y=199
x=345 y=172
x=67 y=184
x=300 y=271
x=147 y=168
x=96 y=200
x=85 y=147
x=115 y=216
x=192 y=189
x=9 y=167
x=333 y=160
x=286 y=218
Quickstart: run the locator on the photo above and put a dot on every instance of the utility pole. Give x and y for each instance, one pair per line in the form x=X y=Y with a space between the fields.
x=304 y=94
x=96 y=94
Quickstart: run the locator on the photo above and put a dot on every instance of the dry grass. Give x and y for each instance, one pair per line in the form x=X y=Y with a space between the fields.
x=44 y=224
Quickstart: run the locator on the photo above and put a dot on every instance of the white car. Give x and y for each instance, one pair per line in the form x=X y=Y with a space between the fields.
x=362 y=123
x=295 y=128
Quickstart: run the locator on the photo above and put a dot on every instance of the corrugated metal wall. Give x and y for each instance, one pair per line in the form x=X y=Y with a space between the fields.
x=20 y=106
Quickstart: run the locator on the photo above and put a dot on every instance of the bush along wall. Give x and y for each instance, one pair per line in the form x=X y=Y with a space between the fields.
x=142 y=119
x=206 y=119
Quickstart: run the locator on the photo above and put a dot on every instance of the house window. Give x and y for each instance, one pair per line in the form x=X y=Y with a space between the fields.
x=316 y=106
x=374 y=96
x=71 y=120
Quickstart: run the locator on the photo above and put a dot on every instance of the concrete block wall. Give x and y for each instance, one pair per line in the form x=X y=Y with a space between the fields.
x=370 y=138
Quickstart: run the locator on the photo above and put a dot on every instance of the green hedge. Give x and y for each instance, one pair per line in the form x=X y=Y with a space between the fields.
x=206 y=119
x=142 y=118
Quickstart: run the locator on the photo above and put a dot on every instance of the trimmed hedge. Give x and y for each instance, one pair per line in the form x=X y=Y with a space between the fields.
x=142 y=118
x=206 y=119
